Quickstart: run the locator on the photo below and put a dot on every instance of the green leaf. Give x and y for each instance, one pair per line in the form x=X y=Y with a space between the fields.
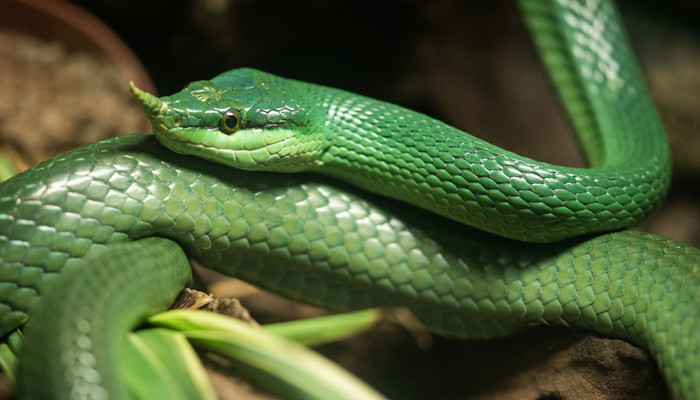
x=281 y=366
x=8 y=355
x=321 y=330
x=161 y=364
x=7 y=170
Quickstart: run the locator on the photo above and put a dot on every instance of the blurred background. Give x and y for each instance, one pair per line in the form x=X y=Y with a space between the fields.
x=470 y=64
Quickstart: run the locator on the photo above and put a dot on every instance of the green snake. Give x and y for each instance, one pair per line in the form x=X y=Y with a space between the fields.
x=129 y=204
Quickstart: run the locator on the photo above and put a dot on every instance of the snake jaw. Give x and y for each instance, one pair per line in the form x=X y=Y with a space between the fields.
x=252 y=150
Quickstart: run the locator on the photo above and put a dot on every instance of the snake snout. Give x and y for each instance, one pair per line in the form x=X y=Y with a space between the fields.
x=150 y=104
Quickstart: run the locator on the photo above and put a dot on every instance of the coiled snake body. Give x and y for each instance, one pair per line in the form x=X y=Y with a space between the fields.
x=317 y=240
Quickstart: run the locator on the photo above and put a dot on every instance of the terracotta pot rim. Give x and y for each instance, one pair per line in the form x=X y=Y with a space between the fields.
x=76 y=28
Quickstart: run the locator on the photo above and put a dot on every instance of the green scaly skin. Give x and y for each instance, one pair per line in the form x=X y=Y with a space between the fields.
x=312 y=239
x=316 y=240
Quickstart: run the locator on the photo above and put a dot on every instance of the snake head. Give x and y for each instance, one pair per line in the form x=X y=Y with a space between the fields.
x=243 y=118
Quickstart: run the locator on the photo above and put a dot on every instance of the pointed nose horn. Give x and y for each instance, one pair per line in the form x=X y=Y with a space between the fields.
x=149 y=103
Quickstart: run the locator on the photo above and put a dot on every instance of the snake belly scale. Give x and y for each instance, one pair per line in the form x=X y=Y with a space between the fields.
x=315 y=239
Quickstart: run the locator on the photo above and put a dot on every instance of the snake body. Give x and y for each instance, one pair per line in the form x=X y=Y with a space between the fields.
x=317 y=240
x=326 y=244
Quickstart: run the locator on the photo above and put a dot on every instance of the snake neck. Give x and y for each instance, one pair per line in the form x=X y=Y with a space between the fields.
x=408 y=156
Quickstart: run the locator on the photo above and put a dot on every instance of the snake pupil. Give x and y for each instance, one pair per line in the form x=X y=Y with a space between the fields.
x=230 y=121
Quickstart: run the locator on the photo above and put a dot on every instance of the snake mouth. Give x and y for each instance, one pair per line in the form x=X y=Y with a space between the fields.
x=248 y=149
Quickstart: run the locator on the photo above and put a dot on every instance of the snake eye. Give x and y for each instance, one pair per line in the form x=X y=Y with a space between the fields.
x=230 y=121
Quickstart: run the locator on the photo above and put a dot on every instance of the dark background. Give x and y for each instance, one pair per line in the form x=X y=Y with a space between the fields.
x=468 y=63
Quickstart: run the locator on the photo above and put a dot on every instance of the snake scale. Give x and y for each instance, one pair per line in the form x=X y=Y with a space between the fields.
x=129 y=204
